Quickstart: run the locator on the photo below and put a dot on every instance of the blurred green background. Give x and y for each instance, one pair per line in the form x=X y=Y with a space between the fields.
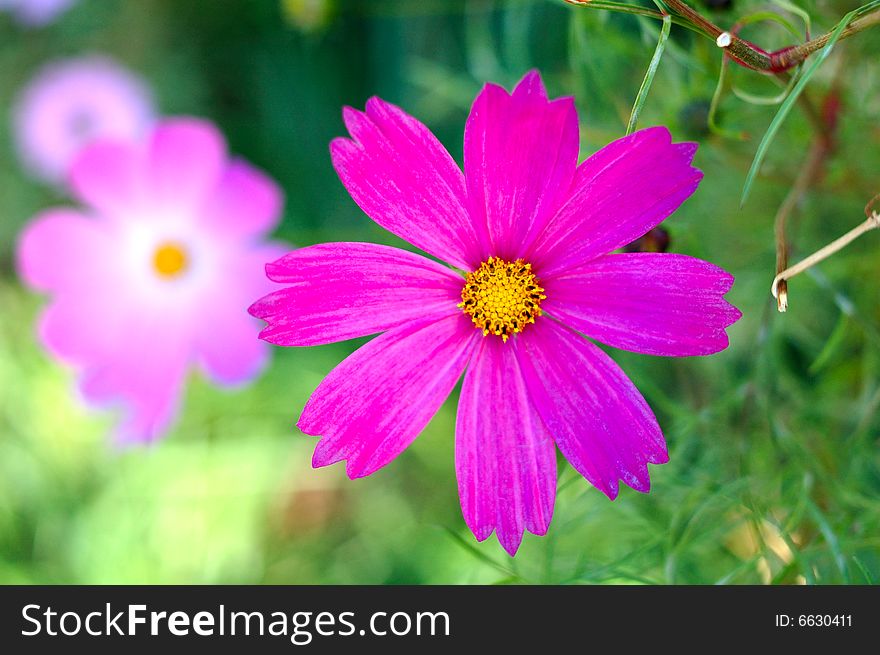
x=775 y=467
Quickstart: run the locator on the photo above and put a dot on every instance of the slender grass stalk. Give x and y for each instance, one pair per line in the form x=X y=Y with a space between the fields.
x=642 y=95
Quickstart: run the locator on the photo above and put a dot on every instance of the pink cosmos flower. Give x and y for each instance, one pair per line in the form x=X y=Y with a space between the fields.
x=35 y=13
x=155 y=272
x=72 y=103
x=532 y=232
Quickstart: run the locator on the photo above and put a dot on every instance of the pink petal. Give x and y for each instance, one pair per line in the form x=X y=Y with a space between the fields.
x=344 y=290
x=107 y=176
x=144 y=377
x=505 y=460
x=598 y=418
x=520 y=155
x=621 y=192
x=229 y=349
x=246 y=203
x=71 y=103
x=80 y=328
x=127 y=357
x=62 y=248
x=148 y=421
x=654 y=303
x=376 y=402
x=226 y=342
x=405 y=180
x=186 y=159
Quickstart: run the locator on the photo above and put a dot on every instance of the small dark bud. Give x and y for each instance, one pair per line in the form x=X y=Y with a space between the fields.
x=718 y=5
x=694 y=118
x=657 y=240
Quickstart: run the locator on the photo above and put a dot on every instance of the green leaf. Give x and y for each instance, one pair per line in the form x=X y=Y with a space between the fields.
x=649 y=75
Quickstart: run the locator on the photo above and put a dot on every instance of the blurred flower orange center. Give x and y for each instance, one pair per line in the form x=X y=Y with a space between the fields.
x=170 y=260
x=502 y=297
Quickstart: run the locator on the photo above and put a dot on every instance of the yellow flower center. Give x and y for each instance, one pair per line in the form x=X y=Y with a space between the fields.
x=170 y=260
x=502 y=297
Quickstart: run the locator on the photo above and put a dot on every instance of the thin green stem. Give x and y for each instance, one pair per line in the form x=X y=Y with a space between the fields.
x=649 y=76
x=635 y=10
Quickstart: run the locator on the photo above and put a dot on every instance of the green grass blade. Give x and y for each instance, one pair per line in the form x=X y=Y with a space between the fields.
x=830 y=538
x=769 y=16
x=714 y=127
x=786 y=106
x=864 y=571
x=649 y=75
x=832 y=346
x=797 y=11
x=754 y=99
x=468 y=547
x=764 y=17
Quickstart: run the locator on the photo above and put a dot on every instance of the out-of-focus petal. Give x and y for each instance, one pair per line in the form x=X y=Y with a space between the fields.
x=143 y=378
x=81 y=328
x=597 y=417
x=520 y=155
x=505 y=460
x=62 y=248
x=226 y=341
x=229 y=349
x=36 y=13
x=654 y=303
x=246 y=203
x=619 y=193
x=341 y=291
x=186 y=159
x=377 y=401
x=72 y=103
x=405 y=180
x=108 y=176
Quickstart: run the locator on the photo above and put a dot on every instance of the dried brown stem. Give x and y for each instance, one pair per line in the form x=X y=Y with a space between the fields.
x=872 y=223
x=809 y=173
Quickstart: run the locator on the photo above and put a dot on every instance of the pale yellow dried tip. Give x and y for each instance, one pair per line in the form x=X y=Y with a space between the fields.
x=724 y=39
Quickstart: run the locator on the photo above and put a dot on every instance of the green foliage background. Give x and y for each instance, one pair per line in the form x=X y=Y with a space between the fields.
x=775 y=468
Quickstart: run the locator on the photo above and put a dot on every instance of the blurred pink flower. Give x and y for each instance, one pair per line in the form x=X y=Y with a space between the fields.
x=72 y=103
x=532 y=230
x=35 y=13
x=156 y=271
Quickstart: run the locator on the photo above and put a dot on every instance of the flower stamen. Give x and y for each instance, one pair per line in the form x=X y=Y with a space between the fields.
x=502 y=297
x=170 y=260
